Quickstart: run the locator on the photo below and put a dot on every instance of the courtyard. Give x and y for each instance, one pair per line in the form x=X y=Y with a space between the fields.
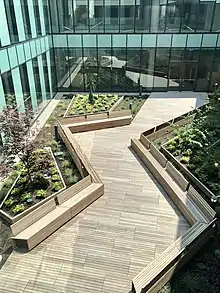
x=113 y=239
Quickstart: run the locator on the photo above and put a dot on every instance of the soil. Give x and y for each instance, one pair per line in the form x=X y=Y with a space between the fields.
x=137 y=103
x=201 y=273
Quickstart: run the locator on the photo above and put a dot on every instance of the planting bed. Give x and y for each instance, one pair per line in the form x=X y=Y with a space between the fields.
x=196 y=145
x=137 y=103
x=29 y=189
x=82 y=104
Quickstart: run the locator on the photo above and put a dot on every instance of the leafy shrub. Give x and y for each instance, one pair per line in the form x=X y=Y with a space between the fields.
x=9 y=202
x=68 y=172
x=19 y=208
x=55 y=177
x=24 y=172
x=65 y=164
x=8 y=183
x=54 y=171
x=51 y=164
x=184 y=160
x=15 y=191
x=25 y=196
x=54 y=144
x=18 y=166
x=187 y=152
x=56 y=186
x=74 y=179
x=171 y=148
x=41 y=194
x=22 y=180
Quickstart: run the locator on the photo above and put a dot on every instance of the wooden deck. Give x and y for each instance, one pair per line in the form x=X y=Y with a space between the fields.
x=106 y=245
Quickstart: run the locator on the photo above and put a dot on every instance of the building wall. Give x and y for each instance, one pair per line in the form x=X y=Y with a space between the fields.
x=26 y=57
x=159 y=44
x=50 y=45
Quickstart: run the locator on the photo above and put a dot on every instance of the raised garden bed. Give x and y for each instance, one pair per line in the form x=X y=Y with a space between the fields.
x=82 y=104
x=196 y=146
x=137 y=103
x=29 y=189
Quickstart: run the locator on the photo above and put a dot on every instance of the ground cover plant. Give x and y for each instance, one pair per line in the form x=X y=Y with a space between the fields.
x=48 y=138
x=134 y=103
x=92 y=103
x=197 y=145
x=27 y=191
x=200 y=274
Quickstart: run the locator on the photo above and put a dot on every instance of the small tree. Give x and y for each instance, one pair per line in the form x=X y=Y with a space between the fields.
x=91 y=83
x=18 y=138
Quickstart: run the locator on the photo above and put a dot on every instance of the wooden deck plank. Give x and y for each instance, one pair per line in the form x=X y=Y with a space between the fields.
x=103 y=247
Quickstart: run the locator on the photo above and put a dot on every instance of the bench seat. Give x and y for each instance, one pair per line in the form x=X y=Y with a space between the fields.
x=188 y=208
x=146 y=280
x=48 y=224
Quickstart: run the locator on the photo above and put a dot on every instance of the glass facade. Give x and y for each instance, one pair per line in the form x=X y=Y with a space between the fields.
x=54 y=45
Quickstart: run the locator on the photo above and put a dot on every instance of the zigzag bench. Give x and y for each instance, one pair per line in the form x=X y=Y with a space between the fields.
x=195 y=209
x=33 y=228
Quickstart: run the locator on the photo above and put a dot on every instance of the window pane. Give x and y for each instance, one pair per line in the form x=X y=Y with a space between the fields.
x=37 y=80
x=96 y=16
x=37 y=17
x=205 y=15
x=112 y=16
x=147 y=68
x=189 y=21
x=7 y=83
x=127 y=16
x=81 y=17
x=26 y=18
x=12 y=25
x=104 y=69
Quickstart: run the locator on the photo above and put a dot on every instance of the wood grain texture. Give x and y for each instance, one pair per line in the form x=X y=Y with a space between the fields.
x=111 y=241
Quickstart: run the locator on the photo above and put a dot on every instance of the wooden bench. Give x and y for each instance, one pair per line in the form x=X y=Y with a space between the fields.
x=100 y=124
x=200 y=201
x=177 y=176
x=152 y=278
x=145 y=141
x=32 y=217
x=84 y=198
x=188 y=208
x=73 y=190
x=158 y=155
x=41 y=229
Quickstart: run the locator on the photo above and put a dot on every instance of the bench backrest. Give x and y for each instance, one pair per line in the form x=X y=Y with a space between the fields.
x=74 y=189
x=177 y=176
x=33 y=217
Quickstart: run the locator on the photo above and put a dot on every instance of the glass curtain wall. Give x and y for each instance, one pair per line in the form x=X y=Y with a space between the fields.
x=129 y=16
x=120 y=69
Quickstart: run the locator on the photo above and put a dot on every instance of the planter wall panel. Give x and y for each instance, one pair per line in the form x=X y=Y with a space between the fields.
x=33 y=217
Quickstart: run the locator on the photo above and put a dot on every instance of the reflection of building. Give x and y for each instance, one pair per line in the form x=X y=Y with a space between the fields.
x=164 y=44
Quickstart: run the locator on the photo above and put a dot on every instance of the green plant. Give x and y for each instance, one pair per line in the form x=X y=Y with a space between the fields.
x=184 y=160
x=9 y=202
x=65 y=164
x=41 y=193
x=19 y=208
x=25 y=196
x=16 y=191
x=74 y=179
x=22 y=180
x=8 y=182
x=54 y=171
x=68 y=172
x=56 y=186
x=55 y=177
